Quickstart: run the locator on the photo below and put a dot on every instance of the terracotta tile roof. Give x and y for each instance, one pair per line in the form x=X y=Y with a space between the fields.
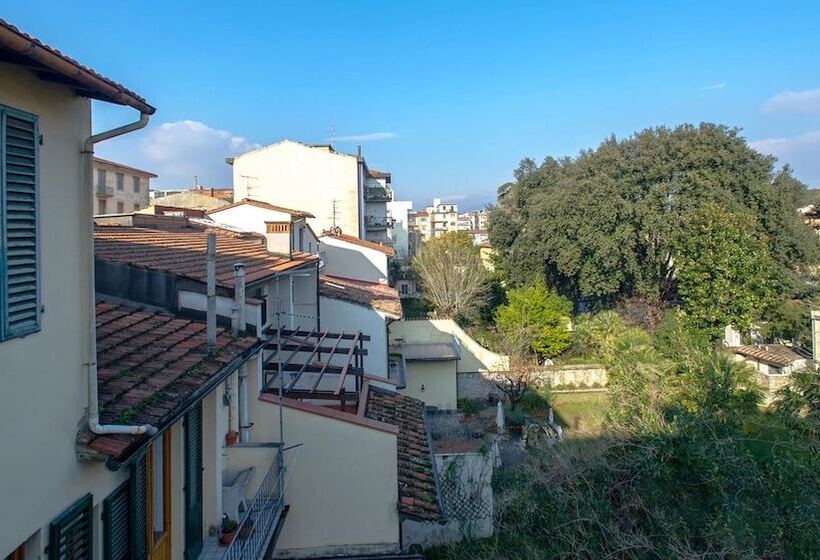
x=375 y=174
x=777 y=355
x=387 y=250
x=372 y=294
x=136 y=170
x=260 y=204
x=53 y=62
x=148 y=364
x=181 y=251
x=418 y=495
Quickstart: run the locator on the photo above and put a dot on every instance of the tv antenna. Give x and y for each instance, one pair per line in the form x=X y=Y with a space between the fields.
x=332 y=135
x=248 y=186
x=333 y=215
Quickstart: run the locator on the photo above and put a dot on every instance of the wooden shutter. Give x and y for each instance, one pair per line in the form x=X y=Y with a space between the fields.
x=19 y=258
x=138 y=488
x=71 y=533
x=193 y=482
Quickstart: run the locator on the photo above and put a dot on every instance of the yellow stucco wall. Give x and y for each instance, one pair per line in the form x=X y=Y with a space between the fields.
x=341 y=484
x=44 y=379
x=435 y=383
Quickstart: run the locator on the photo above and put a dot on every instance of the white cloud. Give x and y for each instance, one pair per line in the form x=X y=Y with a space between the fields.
x=719 y=85
x=177 y=151
x=800 y=151
x=369 y=137
x=807 y=101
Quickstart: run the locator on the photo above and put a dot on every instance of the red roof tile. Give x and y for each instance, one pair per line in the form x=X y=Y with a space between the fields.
x=148 y=364
x=777 y=355
x=181 y=251
x=261 y=204
x=417 y=484
x=372 y=294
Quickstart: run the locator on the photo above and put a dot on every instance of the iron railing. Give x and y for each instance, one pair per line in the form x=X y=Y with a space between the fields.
x=259 y=522
x=378 y=222
x=378 y=194
x=102 y=190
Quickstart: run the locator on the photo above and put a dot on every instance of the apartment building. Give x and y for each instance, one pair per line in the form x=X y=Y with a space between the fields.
x=440 y=218
x=120 y=188
x=340 y=190
x=399 y=212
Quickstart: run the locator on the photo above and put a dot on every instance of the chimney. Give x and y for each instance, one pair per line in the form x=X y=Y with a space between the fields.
x=278 y=238
x=815 y=337
x=238 y=325
x=210 y=314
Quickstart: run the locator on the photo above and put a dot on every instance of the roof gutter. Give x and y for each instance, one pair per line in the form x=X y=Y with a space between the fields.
x=26 y=46
x=94 y=423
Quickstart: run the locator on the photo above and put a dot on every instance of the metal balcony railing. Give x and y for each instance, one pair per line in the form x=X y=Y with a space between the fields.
x=261 y=517
x=102 y=190
x=378 y=222
x=378 y=194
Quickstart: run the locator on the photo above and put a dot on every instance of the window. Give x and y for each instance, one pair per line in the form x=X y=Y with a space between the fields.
x=101 y=206
x=101 y=180
x=70 y=534
x=136 y=206
x=136 y=184
x=301 y=239
x=404 y=289
x=19 y=227
x=120 y=208
x=120 y=181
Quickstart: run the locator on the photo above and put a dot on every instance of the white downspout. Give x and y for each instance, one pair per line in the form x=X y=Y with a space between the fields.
x=88 y=232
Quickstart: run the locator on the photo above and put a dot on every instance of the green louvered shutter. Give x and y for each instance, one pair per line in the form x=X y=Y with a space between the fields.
x=138 y=527
x=193 y=482
x=116 y=523
x=19 y=258
x=70 y=535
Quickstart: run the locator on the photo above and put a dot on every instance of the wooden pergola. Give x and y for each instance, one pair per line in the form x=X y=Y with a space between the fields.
x=314 y=364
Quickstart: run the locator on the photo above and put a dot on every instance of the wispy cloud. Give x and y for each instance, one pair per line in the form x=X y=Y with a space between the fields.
x=801 y=102
x=799 y=151
x=178 y=151
x=454 y=198
x=711 y=87
x=368 y=137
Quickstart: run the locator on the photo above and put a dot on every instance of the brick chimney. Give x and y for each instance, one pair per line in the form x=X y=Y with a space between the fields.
x=278 y=237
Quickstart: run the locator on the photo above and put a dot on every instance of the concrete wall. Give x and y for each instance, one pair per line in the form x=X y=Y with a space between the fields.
x=341 y=484
x=347 y=260
x=434 y=383
x=478 y=385
x=298 y=176
x=398 y=210
x=474 y=357
x=252 y=218
x=339 y=315
x=44 y=380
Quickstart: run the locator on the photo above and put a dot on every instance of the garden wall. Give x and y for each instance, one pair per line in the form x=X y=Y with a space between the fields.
x=477 y=385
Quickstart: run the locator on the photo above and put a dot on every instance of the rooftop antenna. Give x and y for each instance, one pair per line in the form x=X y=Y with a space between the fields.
x=332 y=134
x=333 y=216
x=248 y=186
x=196 y=181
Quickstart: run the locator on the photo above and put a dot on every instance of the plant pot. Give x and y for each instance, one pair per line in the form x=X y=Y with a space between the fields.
x=231 y=438
x=227 y=538
x=246 y=530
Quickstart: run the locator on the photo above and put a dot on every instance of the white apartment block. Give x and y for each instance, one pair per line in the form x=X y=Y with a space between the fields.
x=441 y=218
x=399 y=211
x=339 y=189
x=120 y=188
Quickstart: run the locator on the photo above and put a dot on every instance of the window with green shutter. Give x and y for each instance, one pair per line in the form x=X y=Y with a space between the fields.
x=19 y=247
x=70 y=535
x=125 y=517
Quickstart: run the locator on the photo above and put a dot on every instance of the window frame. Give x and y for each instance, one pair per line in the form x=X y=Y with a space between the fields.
x=5 y=333
x=136 y=183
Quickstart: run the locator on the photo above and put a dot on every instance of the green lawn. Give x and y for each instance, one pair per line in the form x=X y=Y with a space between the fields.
x=581 y=414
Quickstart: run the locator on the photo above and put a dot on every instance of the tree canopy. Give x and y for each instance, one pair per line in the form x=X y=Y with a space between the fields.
x=608 y=224
x=541 y=316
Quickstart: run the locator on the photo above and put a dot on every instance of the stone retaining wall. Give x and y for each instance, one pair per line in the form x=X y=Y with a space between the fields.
x=477 y=385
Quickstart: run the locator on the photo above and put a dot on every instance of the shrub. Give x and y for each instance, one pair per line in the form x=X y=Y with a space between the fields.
x=514 y=418
x=469 y=406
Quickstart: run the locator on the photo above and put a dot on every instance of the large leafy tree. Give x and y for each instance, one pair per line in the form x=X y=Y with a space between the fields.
x=606 y=225
x=725 y=273
x=453 y=278
x=539 y=316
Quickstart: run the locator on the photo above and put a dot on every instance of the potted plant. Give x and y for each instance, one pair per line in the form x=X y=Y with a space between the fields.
x=229 y=527
x=231 y=437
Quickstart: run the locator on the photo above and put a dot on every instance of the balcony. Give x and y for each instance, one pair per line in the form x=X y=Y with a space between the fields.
x=103 y=191
x=372 y=223
x=378 y=194
x=259 y=514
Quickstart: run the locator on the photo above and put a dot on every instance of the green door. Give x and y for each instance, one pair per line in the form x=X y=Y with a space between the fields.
x=193 y=482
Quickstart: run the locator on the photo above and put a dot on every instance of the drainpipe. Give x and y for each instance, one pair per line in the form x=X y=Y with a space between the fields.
x=239 y=299
x=210 y=313
x=88 y=232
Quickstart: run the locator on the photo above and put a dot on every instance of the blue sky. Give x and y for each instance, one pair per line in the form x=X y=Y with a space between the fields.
x=449 y=97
